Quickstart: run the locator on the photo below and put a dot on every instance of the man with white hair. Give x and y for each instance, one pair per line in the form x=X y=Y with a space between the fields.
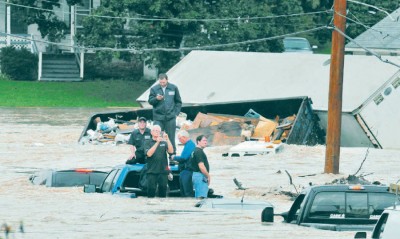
x=185 y=175
x=157 y=162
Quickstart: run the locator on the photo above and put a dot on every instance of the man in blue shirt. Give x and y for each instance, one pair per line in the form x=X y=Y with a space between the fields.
x=185 y=175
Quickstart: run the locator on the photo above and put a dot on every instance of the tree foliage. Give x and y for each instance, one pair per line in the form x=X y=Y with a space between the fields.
x=152 y=28
x=161 y=32
x=361 y=17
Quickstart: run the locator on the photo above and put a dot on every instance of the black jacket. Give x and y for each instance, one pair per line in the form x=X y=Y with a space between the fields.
x=170 y=106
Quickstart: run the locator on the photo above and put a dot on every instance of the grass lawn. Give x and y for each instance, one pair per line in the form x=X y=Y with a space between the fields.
x=324 y=49
x=99 y=93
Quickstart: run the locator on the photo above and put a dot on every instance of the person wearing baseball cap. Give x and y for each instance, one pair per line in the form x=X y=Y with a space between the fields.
x=136 y=142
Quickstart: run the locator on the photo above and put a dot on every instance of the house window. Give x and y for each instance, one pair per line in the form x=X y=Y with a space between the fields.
x=82 y=10
x=378 y=99
x=396 y=82
x=18 y=26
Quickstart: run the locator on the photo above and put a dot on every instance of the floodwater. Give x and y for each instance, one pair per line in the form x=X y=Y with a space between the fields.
x=32 y=139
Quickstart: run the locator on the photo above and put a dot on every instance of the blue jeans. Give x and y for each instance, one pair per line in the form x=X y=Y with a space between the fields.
x=200 y=185
x=185 y=181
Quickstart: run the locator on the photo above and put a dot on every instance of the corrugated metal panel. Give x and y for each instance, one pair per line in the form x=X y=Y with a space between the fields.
x=222 y=76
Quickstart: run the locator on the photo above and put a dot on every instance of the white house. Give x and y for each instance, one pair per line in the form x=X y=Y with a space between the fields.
x=71 y=15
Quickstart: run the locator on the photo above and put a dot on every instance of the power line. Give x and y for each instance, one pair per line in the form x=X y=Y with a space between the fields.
x=358 y=22
x=366 y=49
x=362 y=24
x=238 y=43
x=372 y=6
x=82 y=48
x=174 y=19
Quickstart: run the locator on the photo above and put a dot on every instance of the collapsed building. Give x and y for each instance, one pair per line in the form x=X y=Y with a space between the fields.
x=370 y=88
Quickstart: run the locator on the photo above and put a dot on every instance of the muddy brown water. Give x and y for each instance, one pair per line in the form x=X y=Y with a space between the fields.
x=33 y=139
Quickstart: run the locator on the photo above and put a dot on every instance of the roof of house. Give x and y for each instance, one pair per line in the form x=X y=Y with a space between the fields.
x=224 y=76
x=383 y=35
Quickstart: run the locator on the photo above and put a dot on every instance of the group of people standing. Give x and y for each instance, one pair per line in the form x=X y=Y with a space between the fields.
x=156 y=147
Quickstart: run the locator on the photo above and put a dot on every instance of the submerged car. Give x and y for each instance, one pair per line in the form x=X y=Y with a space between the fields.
x=68 y=178
x=340 y=207
x=224 y=203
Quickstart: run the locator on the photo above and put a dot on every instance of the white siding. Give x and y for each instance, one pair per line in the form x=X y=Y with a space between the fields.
x=383 y=119
x=210 y=76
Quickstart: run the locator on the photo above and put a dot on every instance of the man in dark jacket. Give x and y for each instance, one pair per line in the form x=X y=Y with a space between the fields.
x=167 y=103
x=136 y=142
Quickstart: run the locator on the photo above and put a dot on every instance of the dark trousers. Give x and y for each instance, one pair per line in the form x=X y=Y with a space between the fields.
x=185 y=182
x=155 y=181
x=169 y=126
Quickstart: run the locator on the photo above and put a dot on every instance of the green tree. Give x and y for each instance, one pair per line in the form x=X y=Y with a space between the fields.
x=161 y=32
x=361 y=17
x=213 y=23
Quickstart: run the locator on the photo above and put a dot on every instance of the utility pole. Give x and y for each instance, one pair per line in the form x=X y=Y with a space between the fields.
x=332 y=154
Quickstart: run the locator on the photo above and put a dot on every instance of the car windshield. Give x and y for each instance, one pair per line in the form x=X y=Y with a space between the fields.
x=109 y=181
x=297 y=44
x=350 y=205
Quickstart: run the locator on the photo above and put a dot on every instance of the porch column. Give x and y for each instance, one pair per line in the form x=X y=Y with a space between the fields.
x=82 y=63
x=8 y=7
x=40 y=66
x=73 y=28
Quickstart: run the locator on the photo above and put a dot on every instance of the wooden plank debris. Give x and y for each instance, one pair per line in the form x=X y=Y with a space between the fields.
x=226 y=133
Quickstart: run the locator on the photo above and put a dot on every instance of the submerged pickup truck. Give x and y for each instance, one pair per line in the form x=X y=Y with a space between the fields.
x=339 y=207
x=127 y=181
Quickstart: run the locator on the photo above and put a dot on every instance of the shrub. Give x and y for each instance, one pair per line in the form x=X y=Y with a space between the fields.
x=18 y=64
x=97 y=68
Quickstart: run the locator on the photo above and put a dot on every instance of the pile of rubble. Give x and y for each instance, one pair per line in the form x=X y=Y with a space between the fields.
x=220 y=129
x=109 y=132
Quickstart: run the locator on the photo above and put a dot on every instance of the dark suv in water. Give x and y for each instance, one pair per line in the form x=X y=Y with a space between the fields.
x=340 y=207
